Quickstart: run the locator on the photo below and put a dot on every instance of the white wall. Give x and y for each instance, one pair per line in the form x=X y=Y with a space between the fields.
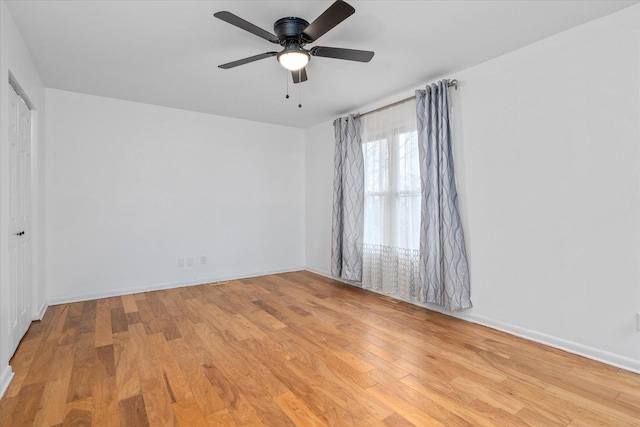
x=548 y=160
x=319 y=152
x=16 y=59
x=132 y=187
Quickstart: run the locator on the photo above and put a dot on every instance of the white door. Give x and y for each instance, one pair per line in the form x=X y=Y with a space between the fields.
x=19 y=217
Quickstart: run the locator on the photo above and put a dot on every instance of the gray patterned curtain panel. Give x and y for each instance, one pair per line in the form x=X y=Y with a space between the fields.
x=444 y=272
x=348 y=201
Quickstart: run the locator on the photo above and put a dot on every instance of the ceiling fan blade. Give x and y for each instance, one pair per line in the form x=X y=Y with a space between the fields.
x=335 y=14
x=339 y=53
x=246 y=25
x=247 y=60
x=300 y=75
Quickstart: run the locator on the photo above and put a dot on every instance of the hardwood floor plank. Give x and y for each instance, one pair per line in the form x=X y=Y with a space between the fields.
x=75 y=309
x=244 y=414
x=203 y=393
x=157 y=402
x=70 y=330
x=81 y=380
x=88 y=316
x=129 y=304
x=294 y=382
x=496 y=415
x=118 y=320
x=437 y=378
x=346 y=395
x=265 y=318
x=615 y=379
x=188 y=414
x=21 y=365
x=401 y=406
x=597 y=410
x=145 y=360
x=104 y=333
x=540 y=402
x=54 y=393
x=416 y=396
x=105 y=403
x=105 y=365
x=489 y=393
x=169 y=299
x=114 y=302
x=186 y=311
x=267 y=409
x=174 y=379
x=24 y=410
x=295 y=408
x=132 y=411
x=221 y=418
x=632 y=400
x=40 y=365
x=146 y=315
x=538 y=418
x=296 y=349
x=84 y=346
x=127 y=379
x=253 y=330
x=450 y=403
x=7 y=406
x=78 y=413
x=328 y=384
x=396 y=420
x=223 y=384
x=168 y=328
x=133 y=318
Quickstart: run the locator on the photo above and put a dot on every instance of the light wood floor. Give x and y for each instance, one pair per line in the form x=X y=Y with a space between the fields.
x=296 y=349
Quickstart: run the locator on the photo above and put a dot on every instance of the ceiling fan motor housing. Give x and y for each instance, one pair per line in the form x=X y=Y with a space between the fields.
x=289 y=30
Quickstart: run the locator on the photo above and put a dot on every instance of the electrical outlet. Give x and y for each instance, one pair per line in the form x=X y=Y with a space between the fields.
x=203 y=259
x=180 y=262
x=189 y=262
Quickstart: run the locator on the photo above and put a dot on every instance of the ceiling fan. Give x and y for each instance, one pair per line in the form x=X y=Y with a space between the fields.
x=293 y=34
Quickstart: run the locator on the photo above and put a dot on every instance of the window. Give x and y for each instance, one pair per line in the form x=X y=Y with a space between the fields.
x=392 y=199
x=392 y=190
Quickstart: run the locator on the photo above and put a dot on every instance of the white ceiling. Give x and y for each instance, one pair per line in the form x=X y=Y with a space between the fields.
x=167 y=52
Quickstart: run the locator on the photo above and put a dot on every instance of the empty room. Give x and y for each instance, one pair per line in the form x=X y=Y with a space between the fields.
x=319 y=213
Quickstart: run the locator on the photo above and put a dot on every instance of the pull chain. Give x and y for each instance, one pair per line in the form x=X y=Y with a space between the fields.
x=299 y=91
x=287 y=78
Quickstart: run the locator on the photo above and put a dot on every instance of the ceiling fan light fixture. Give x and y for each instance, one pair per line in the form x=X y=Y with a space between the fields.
x=293 y=58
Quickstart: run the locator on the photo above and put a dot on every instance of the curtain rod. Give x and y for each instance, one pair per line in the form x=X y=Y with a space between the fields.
x=453 y=83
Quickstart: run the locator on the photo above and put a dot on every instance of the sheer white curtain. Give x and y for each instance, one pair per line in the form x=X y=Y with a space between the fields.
x=392 y=201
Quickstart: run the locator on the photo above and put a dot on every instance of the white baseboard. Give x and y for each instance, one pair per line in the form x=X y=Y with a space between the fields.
x=39 y=313
x=326 y=274
x=593 y=353
x=5 y=379
x=64 y=299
